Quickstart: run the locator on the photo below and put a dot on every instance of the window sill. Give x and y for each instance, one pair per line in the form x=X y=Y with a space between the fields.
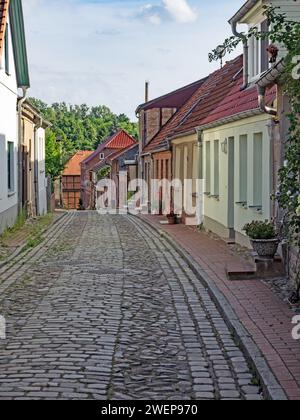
x=216 y=197
x=242 y=204
x=257 y=209
x=11 y=194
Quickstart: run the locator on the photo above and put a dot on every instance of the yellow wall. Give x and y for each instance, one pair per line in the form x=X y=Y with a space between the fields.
x=217 y=209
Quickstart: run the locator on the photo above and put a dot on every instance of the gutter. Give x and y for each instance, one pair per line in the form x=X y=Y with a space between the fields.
x=272 y=75
x=243 y=11
x=21 y=101
x=227 y=120
x=269 y=78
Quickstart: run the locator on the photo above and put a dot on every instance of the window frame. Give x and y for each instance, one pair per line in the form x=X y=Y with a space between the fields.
x=10 y=167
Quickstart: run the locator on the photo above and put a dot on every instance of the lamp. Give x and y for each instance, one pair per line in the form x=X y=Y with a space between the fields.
x=224 y=146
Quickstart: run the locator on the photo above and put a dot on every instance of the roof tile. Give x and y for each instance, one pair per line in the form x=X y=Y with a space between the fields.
x=219 y=97
x=73 y=166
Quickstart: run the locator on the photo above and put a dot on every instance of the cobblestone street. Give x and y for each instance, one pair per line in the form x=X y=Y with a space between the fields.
x=104 y=309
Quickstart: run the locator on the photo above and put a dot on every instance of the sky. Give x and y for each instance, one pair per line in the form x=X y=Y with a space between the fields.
x=101 y=52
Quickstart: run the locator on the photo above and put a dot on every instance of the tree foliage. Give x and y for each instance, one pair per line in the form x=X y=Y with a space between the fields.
x=77 y=127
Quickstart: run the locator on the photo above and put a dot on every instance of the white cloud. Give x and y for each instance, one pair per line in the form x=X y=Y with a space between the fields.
x=180 y=10
x=102 y=52
x=168 y=10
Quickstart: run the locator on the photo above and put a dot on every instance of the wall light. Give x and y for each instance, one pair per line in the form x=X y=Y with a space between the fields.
x=224 y=146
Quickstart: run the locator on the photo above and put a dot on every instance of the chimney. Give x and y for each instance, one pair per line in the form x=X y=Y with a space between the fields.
x=147 y=91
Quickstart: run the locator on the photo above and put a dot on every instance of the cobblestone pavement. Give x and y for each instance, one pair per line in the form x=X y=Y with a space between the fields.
x=104 y=309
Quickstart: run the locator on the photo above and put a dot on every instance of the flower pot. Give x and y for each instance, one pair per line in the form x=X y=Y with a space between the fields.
x=265 y=248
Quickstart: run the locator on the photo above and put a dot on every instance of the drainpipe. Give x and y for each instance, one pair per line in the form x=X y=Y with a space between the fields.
x=21 y=100
x=246 y=52
x=200 y=176
x=36 y=166
x=262 y=101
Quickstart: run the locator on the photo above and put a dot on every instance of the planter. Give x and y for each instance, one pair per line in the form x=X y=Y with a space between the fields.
x=265 y=248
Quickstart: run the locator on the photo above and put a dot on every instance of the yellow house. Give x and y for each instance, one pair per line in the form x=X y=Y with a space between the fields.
x=226 y=141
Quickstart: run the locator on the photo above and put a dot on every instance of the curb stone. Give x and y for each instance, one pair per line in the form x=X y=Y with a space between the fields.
x=271 y=387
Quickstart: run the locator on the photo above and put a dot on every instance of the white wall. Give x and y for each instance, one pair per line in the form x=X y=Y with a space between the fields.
x=8 y=133
x=217 y=209
x=42 y=182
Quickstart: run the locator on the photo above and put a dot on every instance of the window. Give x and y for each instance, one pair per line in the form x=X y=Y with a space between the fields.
x=10 y=166
x=243 y=169
x=101 y=156
x=207 y=170
x=216 y=168
x=257 y=169
x=6 y=49
x=258 y=55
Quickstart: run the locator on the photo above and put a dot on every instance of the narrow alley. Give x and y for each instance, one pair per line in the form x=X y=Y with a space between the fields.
x=105 y=309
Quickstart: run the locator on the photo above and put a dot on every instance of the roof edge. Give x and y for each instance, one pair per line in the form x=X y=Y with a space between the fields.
x=243 y=11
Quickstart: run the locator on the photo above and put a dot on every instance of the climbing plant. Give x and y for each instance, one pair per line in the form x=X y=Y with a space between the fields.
x=283 y=33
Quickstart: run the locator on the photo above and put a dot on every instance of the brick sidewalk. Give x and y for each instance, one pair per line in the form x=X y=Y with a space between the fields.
x=263 y=314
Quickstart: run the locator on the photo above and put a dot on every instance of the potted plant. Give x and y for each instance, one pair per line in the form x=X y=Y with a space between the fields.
x=263 y=237
x=172 y=218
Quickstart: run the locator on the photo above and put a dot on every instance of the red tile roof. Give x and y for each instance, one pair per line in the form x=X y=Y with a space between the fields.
x=4 y=5
x=200 y=99
x=173 y=99
x=119 y=140
x=73 y=166
x=219 y=97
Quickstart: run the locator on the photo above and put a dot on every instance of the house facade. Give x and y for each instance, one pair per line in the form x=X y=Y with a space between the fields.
x=121 y=167
x=115 y=143
x=228 y=135
x=71 y=180
x=155 y=157
x=32 y=143
x=13 y=76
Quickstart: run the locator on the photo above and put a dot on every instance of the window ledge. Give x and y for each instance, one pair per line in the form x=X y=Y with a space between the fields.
x=242 y=204
x=11 y=194
x=216 y=197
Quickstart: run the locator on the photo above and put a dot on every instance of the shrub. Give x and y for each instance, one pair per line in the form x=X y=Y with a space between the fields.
x=260 y=230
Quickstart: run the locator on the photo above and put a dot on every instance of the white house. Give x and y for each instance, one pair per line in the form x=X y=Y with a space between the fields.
x=32 y=140
x=13 y=76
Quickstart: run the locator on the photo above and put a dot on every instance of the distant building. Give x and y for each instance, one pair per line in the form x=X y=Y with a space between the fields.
x=115 y=143
x=71 y=180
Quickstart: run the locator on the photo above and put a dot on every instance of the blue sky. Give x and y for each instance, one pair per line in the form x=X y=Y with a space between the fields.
x=101 y=52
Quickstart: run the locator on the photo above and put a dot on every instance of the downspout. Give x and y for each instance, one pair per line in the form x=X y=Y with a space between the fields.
x=246 y=52
x=262 y=101
x=36 y=167
x=200 y=191
x=21 y=100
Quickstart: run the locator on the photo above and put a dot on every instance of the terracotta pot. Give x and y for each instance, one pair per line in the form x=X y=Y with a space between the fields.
x=265 y=248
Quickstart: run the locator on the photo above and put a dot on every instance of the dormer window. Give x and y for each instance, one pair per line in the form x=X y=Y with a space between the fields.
x=258 y=54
